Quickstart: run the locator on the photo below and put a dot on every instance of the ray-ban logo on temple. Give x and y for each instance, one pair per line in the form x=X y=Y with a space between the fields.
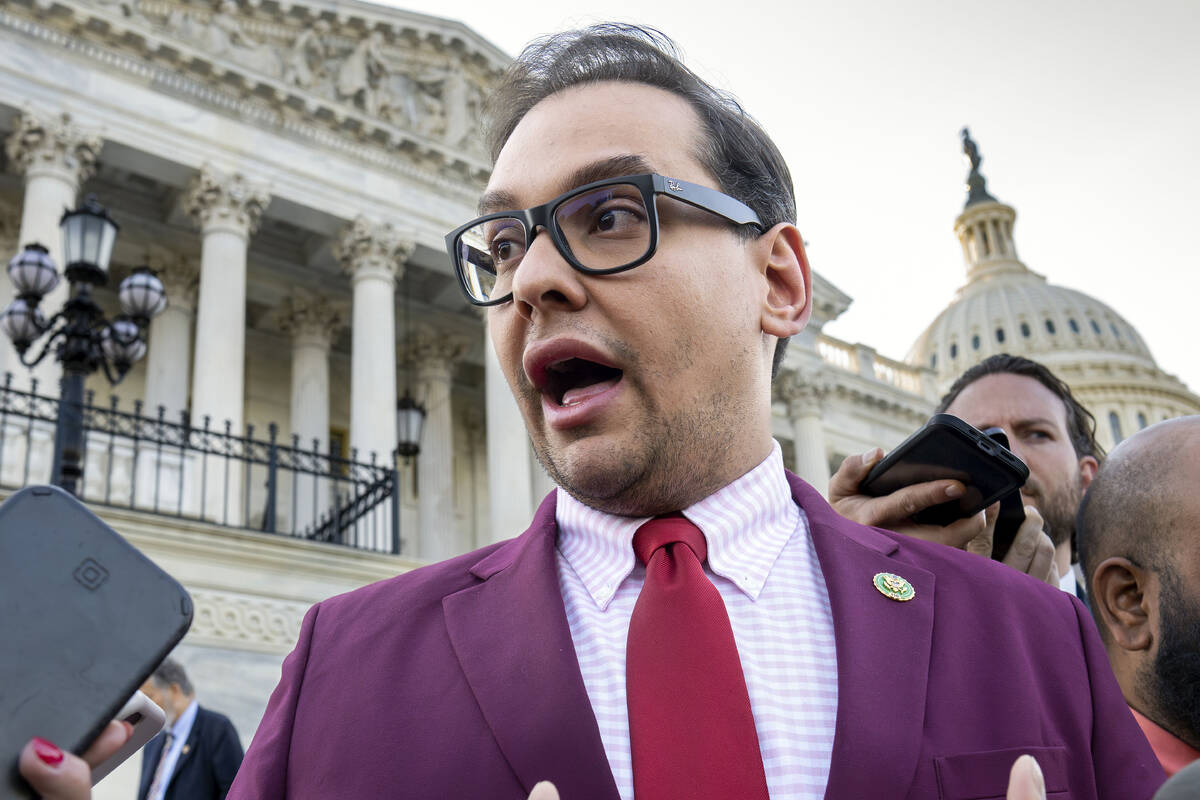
x=89 y=574
x=674 y=186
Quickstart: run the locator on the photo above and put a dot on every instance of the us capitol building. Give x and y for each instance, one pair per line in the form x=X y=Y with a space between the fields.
x=288 y=168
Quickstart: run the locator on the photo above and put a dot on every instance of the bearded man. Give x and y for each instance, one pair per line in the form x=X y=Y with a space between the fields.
x=1139 y=542
x=1047 y=428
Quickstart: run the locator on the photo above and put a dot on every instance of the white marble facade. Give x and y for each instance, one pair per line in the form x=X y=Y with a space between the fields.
x=289 y=170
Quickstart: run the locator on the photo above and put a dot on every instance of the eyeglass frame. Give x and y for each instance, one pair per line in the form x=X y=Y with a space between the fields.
x=649 y=184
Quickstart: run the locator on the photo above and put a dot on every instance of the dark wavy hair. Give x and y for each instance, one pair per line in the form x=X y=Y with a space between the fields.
x=735 y=149
x=1081 y=425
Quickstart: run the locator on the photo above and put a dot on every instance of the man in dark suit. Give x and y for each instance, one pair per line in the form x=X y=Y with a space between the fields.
x=197 y=754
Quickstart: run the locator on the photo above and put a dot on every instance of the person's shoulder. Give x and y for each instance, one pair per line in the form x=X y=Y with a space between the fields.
x=429 y=583
x=214 y=717
x=972 y=579
x=958 y=574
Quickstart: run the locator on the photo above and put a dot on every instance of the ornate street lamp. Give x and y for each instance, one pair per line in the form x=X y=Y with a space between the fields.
x=410 y=418
x=410 y=415
x=79 y=336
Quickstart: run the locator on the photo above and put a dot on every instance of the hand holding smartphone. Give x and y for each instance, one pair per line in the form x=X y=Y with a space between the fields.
x=86 y=619
x=947 y=447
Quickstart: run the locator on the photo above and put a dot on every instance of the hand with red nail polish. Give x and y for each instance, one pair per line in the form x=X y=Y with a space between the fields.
x=58 y=775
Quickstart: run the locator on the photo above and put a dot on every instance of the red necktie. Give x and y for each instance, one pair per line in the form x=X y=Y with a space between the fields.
x=690 y=725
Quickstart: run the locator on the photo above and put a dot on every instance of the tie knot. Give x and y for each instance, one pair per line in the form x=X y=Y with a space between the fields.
x=669 y=529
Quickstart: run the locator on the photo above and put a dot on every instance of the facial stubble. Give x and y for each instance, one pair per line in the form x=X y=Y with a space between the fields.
x=669 y=459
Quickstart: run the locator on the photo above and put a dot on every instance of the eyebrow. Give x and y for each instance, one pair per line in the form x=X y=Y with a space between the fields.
x=612 y=167
x=1032 y=421
x=1021 y=424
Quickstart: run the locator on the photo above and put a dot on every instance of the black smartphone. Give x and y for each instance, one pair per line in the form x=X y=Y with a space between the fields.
x=86 y=618
x=1012 y=509
x=947 y=447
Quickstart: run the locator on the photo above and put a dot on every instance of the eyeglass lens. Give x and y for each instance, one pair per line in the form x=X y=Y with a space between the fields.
x=603 y=229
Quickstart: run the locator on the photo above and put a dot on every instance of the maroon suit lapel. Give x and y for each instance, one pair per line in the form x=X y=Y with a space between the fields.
x=512 y=640
x=883 y=650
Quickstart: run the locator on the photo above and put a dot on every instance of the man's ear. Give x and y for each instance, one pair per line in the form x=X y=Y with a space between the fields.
x=788 y=303
x=1087 y=470
x=1119 y=594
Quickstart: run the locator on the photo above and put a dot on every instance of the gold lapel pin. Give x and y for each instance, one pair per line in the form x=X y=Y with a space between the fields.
x=894 y=587
x=186 y=748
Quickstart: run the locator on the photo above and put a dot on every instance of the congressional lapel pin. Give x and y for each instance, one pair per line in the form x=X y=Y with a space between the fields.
x=187 y=749
x=894 y=587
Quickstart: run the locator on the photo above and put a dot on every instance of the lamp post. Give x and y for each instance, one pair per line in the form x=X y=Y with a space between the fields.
x=79 y=335
x=410 y=418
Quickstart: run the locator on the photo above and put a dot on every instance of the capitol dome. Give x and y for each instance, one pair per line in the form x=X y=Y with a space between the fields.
x=1004 y=307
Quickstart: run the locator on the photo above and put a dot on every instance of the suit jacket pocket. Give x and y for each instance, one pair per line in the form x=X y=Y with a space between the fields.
x=984 y=775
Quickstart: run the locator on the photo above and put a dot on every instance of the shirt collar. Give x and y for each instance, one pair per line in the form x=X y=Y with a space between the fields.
x=1173 y=753
x=1067 y=582
x=746 y=524
x=183 y=725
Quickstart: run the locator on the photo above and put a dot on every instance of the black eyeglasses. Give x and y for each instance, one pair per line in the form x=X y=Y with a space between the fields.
x=599 y=228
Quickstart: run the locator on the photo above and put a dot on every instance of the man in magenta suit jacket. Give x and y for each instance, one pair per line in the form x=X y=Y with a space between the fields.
x=459 y=680
x=645 y=391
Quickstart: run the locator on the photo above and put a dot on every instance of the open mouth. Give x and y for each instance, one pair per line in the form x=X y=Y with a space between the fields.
x=573 y=380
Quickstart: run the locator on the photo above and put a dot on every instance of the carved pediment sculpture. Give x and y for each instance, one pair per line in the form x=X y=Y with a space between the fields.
x=222 y=36
x=432 y=91
x=306 y=65
x=380 y=79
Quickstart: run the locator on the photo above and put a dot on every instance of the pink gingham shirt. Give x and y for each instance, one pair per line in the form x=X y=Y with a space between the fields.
x=762 y=560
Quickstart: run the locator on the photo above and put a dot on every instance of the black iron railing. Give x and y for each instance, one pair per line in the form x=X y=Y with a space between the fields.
x=174 y=468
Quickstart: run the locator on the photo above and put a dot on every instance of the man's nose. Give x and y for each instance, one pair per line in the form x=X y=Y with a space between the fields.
x=544 y=281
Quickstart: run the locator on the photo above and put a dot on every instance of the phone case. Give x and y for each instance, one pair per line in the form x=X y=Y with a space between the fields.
x=1012 y=509
x=147 y=720
x=947 y=447
x=86 y=618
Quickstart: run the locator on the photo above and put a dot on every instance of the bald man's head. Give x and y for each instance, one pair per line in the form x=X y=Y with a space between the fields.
x=1140 y=502
x=1138 y=541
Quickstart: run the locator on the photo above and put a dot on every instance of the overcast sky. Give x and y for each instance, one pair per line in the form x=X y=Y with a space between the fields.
x=1087 y=115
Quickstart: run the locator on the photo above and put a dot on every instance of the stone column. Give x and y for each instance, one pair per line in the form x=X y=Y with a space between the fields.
x=312 y=320
x=373 y=255
x=168 y=361
x=474 y=423
x=433 y=355
x=803 y=393
x=12 y=467
x=228 y=209
x=56 y=156
x=168 y=376
x=509 y=458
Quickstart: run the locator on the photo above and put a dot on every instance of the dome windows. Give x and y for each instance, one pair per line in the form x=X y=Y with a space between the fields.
x=954 y=351
x=975 y=342
x=1000 y=334
x=1025 y=330
x=1141 y=418
x=1116 y=332
x=1050 y=326
x=933 y=360
x=1095 y=326
x=1074 y=325
x=1114 y=424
